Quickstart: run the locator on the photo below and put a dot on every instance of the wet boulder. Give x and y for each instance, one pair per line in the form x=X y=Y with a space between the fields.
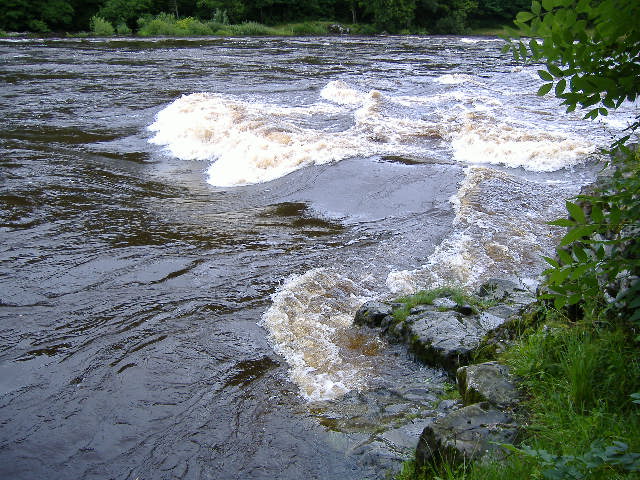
x=447 y=339
x=374 y=314
x=465 y=435
x=487 y=382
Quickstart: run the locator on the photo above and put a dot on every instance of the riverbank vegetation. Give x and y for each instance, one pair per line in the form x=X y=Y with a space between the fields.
x=254 y=17
x=578 y=351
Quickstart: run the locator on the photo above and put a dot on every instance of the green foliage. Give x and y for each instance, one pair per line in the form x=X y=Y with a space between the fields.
x=123 y=29
x=252 y=29
x=598 y=261
x=391 y=15
x=100 y=27
x=35 y=15
x=222 y=11
x=590 y=48
x=571 y=467
x=375 y=16
x=308 y=28
x=166 y=24
x=426 y=297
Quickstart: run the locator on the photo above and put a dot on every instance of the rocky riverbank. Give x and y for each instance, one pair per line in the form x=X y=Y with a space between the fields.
x=385 y=427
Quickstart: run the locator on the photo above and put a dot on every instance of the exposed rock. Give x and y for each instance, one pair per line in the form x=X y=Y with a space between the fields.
x=447 y=339
x=445 y=302
x=447 y=406
x=337 y=28
x=487 y=382
x=506 y=291
x=374 y=314
x=465 y=435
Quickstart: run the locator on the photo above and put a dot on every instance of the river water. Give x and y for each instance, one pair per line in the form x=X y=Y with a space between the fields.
x=187 y=227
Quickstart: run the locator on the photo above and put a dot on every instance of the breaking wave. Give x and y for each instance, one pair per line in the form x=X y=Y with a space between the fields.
x=309 y=324
x=252 y=142
x=500 y=230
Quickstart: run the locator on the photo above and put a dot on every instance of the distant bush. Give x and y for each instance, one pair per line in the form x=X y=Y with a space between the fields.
x=308 y=28
x=123 y=29
x=100 y=27
x=38 y=26
x=167 y=24
x=252 y=29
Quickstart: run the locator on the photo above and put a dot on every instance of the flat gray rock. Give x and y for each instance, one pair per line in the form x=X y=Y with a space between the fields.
x=465 y=435
x=447 y=339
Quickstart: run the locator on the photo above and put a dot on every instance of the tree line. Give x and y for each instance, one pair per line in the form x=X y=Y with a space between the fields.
x=393 y=16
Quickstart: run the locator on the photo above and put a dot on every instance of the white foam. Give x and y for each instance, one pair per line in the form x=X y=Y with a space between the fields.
x=500 y=230
x=252 y=142
x=308 y=324
x=498 y=143
x=481 y=40
x=455 y=79
x=339 y=92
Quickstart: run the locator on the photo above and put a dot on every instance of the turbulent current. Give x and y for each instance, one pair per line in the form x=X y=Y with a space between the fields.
x=188 y=226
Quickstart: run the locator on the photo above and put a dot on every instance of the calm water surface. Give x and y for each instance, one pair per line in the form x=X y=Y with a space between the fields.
x=163 y=318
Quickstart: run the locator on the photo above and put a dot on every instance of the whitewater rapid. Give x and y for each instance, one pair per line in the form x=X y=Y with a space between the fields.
x=500 y=224
x=249 y=141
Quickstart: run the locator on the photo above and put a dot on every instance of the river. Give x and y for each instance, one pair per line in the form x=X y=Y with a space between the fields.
x=187 y=226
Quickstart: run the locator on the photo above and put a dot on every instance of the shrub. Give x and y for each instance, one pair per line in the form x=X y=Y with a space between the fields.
x=308 y=28
x=252 y=28
x=162 y=24
x=100 y=27
x=123 y=29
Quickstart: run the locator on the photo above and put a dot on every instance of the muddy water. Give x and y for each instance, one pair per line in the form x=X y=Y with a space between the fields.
x=188 y=225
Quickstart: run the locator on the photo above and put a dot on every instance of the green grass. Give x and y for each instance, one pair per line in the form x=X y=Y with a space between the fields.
x=426 y=297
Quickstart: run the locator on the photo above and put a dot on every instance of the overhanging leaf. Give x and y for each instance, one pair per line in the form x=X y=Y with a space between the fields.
x=544 y=89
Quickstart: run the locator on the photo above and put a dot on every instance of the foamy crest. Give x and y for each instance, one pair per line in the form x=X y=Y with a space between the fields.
x=455 y=79
x=500 y=230
x=484 y=140
x=252 y=142
x=339 y=92
x=309 y=324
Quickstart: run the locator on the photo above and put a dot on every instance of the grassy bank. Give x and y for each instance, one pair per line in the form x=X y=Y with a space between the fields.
x=578 y=351
x=169 y=25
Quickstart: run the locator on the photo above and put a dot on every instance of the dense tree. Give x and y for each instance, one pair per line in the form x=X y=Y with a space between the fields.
x=391 y=15
x=434 y=16
x=124 y=11
x=498 y=11
x=444 y=16
x=234 y=9
x=35 y=15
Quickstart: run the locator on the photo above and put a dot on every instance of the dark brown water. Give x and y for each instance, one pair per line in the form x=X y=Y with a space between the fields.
x=131 y=289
